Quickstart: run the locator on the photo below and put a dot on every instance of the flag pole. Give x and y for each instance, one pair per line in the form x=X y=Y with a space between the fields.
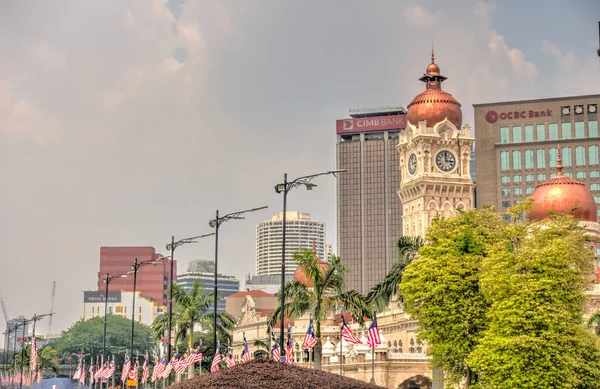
x=372 y=366
x=341 y=338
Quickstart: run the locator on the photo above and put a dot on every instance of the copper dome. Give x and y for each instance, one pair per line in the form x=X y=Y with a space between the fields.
x=433 y=104
x=562 y=195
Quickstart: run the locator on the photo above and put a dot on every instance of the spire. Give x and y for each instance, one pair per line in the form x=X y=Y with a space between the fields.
x=559 y=165
x=432 y=53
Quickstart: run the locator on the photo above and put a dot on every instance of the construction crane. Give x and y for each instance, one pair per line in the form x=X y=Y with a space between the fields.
x=51 y=310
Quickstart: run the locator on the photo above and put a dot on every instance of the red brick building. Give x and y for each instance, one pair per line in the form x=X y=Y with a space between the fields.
x=152 y=280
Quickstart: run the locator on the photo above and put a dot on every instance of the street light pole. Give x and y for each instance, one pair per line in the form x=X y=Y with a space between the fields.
x=284 y=188
x=107 y=281
x=216 y=223
x=135 y=269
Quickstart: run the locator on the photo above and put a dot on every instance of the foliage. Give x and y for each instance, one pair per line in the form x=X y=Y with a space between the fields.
x=535 y=280
x=323 y=298
x=594 y=322
x=382 y=293
x=441 y=288
x=263 y=348
x=47 y=359
x=85 y=337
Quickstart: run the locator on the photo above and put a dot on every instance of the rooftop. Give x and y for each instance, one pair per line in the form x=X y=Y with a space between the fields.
x=550 y=99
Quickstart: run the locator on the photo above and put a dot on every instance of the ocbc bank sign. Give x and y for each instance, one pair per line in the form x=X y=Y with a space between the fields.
x=493 y=116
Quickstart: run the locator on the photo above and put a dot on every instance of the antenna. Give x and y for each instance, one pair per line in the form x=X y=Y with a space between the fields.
x=51 y=310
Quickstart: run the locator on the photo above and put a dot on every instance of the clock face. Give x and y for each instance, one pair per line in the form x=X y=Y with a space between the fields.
x=412 y=164
x=445 y=161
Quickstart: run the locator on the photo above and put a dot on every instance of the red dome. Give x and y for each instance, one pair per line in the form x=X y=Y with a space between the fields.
x=562 y=195
x=303 y=279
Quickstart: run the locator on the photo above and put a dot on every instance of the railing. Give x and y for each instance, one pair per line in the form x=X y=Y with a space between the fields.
x=411 y=356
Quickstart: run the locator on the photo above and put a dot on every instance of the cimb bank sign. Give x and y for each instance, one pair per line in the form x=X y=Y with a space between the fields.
x=94 y=296
x=376 y=123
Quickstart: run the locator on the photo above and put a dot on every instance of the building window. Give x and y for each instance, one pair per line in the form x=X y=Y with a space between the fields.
x=529 y=190
x=566 y=156
x=553 y=131
x=506 y=179
x=504 y=135
x=518 y=191
x=595 y=187
x=528 y=159
x=517 y=134
x=505 y=192
x=595 y=174
x=506 y=204
x=566 y=130
x=119 y=309
x=597 y=199
x=568 y=174
x=504 y=163
x=552 y=155
x=516 y=159
x=592 y=128
x=593 y=151
x=529 y=178
x=541 y=177
x=541 y=131
x=540 y=158
x=581 y=175
x=529 y=133
x=579 y=130
x=517 y=179
x=580 y=155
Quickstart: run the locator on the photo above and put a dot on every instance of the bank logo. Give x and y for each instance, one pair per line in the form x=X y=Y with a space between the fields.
x=491 y=116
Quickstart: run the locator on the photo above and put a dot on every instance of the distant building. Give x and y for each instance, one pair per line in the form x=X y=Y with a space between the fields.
x=269 y=284
x=262 y=302
x=301 y=232
x=121 y=304
x=204 y=270
x=16 y=335
x=152 y=280
x=328 y=251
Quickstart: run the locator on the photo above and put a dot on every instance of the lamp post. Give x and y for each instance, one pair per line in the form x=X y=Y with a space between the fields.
x=25 y=322
x=216 y=223
x=284 y=188
x=172 y=246
x=107 y=281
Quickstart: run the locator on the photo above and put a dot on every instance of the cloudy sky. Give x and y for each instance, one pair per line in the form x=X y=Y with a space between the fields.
x=126 y=122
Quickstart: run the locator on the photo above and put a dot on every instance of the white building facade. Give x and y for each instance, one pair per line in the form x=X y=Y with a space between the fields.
x=121 y=303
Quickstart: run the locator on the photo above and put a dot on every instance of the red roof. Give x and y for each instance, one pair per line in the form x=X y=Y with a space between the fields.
x=251 y=293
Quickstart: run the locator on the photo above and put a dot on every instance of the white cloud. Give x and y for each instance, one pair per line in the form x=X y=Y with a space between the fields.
x=172 y=65
x=575 y=75
x=420 y=16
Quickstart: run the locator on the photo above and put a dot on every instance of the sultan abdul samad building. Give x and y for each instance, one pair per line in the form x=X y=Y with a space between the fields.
x=434 y=154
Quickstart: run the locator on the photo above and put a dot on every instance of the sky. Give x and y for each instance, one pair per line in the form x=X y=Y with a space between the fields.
x=123 y=122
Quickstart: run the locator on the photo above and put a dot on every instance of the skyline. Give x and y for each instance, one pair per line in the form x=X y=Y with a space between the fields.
x=152 y=116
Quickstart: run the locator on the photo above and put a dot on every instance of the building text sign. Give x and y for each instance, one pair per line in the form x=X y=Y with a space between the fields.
x=493 y=116
x=377 y=123
x=94 y=296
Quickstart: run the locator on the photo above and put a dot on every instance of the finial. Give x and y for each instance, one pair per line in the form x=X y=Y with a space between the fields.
x=559 y=165
x=432 y=53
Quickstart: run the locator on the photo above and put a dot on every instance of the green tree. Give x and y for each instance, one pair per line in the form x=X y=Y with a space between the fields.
x=85 y=336
x=594 y=322
x=263 y=348
x=323 y=297
x=441 y=288
x=381 y=293
x=536 y=281
x=47 y=359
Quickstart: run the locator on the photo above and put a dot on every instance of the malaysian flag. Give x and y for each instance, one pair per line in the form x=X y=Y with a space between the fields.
x=159 y=366
x=275 y=348
x=198 y=354
x=111 y=369
x=230 y=360
x=33 y=359
x=167 y=370
x=81 y=375
x=373 y=338
x=146 y=372
x=180 y=365
x=126 y=366
x=347 y=333
x=245 y=354
x=77 y=373
x=92 y=377
x=217 y=358
x=289 y=357
x=309 y=338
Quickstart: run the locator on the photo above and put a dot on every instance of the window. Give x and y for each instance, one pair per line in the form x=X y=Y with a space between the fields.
x=518 y=191
x=541 y=177
x=595 y=174
x=566 y=130
x=597 y=199
x=529 y=133
x=552 y=175
x=595 y=187
x=516 y=160
x=580 y=155
x=505 y=192
x=552 y=155
x=506 y=204
x=119 y=309
x=504 y=163
x=541 y=131
x=540 y=158
x=566 y=156
x=528 y=159
x=506 y=179
x=517 y=179
x=581 y=175
x=593 y=151
x=517 y=134
x=579 y=130
x=529 y=190
x=529 y=178
x=592 y=128
x=568 y=174
x=553 y=131
x=504 y=135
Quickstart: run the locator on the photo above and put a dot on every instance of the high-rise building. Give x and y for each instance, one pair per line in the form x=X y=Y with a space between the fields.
x=17 y=327
x=152 y=280
x=121 y=304
x=301 y=232
x=518 y=141
x=368 y=208
x=204 y=270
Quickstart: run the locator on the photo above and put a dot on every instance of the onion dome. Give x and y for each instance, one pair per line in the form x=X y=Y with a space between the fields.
x=383 y=346
x=562 y=195
x=300 y=276
x=433 y=104
x=362 y=348
x=328 y=348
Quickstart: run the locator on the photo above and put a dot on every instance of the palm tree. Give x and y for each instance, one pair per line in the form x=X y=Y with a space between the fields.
x=46 y=359
x=263 y=348
x=382 y=292
x=594 y=321
x=189 y=308
x=322 y=297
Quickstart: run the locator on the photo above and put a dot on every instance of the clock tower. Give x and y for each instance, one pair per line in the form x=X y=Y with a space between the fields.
x=435 y=156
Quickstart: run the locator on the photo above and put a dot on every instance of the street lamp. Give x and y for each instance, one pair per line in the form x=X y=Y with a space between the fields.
x=172 y=246
x=216 y=223
x=107 y=281
x=25 y=322
x=284 y=188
